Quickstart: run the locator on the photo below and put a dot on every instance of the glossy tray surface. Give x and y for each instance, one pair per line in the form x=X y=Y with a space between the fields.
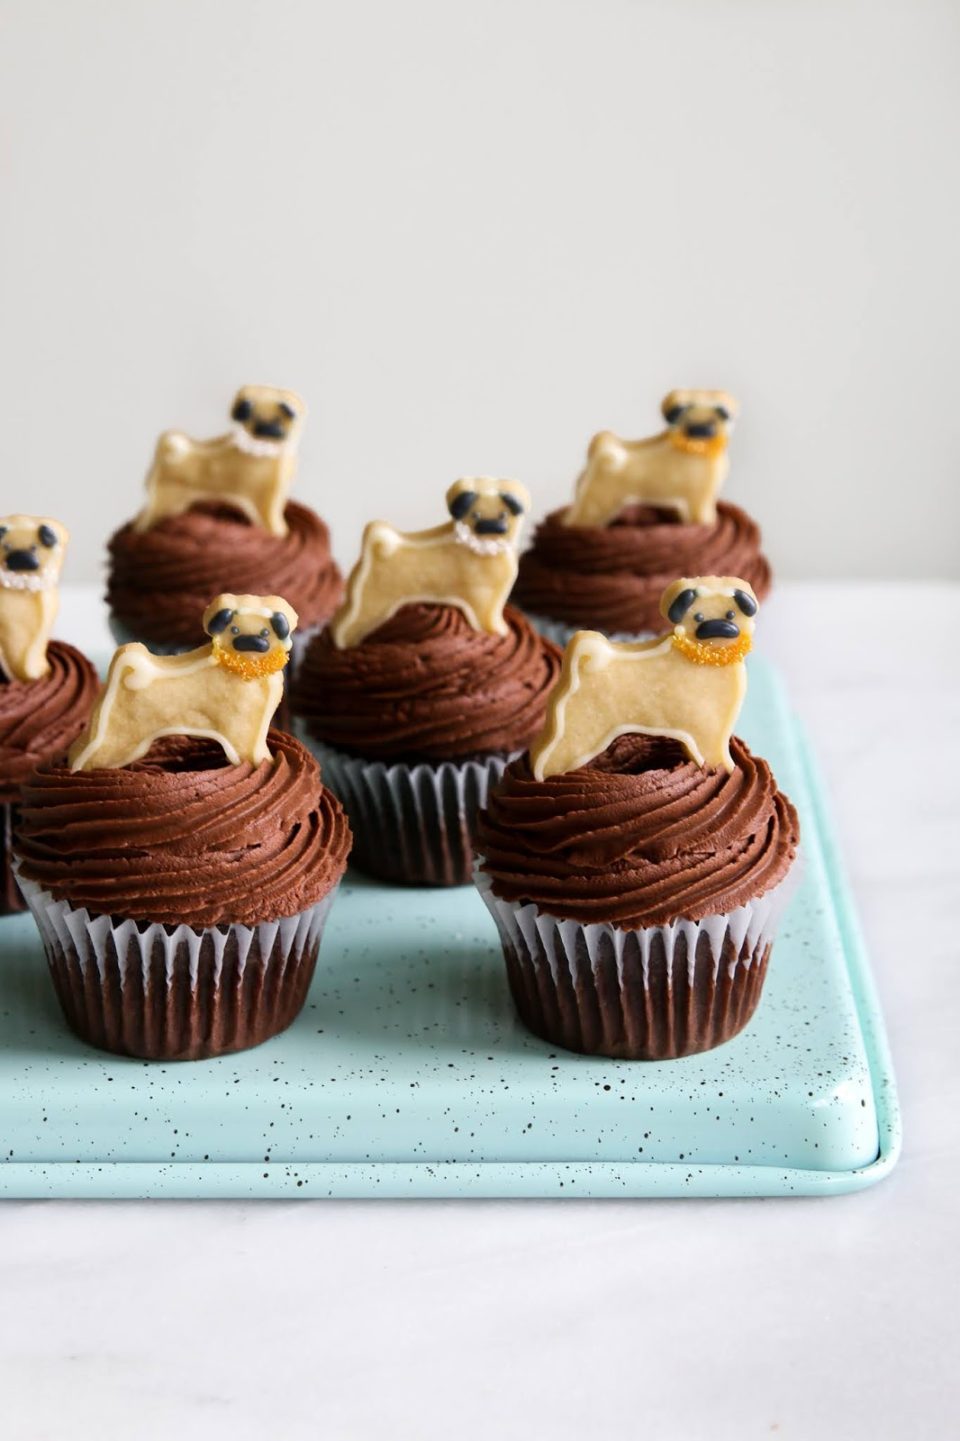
x=408 y=1075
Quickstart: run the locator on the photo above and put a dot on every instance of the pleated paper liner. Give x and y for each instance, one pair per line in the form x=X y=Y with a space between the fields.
x=176 y=993
x=412 y=824
x=647 y=995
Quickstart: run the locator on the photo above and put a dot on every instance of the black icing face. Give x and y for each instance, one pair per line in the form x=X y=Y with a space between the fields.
x=26 y=548
x=488 y=514
x=697 y=415
x=249 y=631
x=708 y=615
x=266 y=414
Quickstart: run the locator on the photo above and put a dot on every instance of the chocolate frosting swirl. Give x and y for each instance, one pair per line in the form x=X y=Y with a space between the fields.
x=426 y=686
x=183 y=836
x=40 y=719
x=160 y=581
x=638 y=837
x=612 y=577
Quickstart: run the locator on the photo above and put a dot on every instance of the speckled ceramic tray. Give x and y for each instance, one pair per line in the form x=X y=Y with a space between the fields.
x=407 y=1074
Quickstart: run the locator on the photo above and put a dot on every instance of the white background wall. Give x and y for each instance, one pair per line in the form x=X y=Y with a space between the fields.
x=473 y=234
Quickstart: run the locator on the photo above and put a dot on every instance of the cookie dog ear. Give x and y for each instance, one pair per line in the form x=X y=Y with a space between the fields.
x=287 y=410
x=242 y=409
x=461 y=503
x=746 y=602
x=47 y=536
x=673 y=406
x=513 y=503
x=281 y=626
x=219 y=621
x=680 y=604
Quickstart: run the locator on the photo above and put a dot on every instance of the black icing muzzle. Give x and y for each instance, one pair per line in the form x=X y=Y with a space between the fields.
x=269 y=430
x=21 y=560
x=717 y=630
x=494 y=526
x=251 y=642
x=701 y=430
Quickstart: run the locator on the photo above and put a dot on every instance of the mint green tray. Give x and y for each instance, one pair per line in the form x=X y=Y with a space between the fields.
x=407 y=1074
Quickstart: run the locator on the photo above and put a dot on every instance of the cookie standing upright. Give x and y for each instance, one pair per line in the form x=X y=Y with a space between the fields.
x=425 y=683
x=47 y=688
x=638 y=860
x=218 y=516
x=643 y=511
x=180 y=864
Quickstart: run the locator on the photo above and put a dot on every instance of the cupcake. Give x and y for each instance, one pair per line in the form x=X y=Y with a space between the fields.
x=218 y=518
x=181 y=864
x=47 y=688
x=644 y=511
x=424 y=686
x=638 y=860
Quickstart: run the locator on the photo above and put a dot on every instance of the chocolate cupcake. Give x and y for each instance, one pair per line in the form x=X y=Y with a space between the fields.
x=217 y=518
x=637 y=863
x=47 y=688
x=610 y=578
x=644 y=511
x=410 y=704
x=180 y=872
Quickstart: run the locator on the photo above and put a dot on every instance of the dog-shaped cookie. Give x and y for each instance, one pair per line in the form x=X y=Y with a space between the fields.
x=226 y=691
x=680 y=469
x=250 y=467
x=32 y=548
x=469 y=562
x=688 y=685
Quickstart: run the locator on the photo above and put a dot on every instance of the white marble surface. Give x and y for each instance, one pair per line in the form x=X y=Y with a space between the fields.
x=685 y=1319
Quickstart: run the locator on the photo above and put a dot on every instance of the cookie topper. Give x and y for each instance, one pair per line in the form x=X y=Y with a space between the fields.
x=226 y=691
x=251 y=467
x=469 y=562
x=680 y=469
x=688 y=686
x=32 y=548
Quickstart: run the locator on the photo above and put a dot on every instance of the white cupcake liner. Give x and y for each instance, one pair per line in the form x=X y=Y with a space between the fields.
x=11 y=900
x=646 y=994
x=412 y=824
x=176 y=992
x=560 y=632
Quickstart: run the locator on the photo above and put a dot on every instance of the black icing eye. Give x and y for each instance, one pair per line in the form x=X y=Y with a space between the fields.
x=234 y=630
x=722 y=412
x=681 y=604
x=462 y=503
x=746 y=602
x=219 y=621
x=511 y=502
x=281 y=626
x=731 y=615
x=287 y=410
x=242 y=410
x=47 y=536
x=264 y=632
x=698 y=616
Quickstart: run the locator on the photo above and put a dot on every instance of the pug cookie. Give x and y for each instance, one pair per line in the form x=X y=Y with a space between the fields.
x=31 y=557
x=681 y=469
x=688 y=685
x=251 y=467
x=469 y=562
x=227 y=690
